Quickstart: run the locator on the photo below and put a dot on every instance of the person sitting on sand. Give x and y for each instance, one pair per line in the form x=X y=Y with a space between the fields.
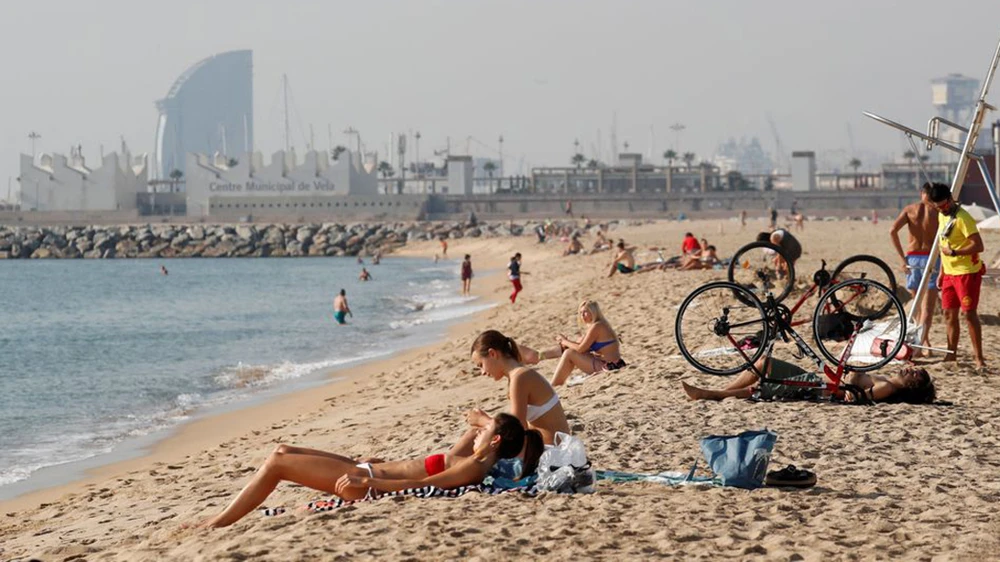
x=624 y=261
x=706 y=260
x=574 y=245
x=597 y=351
x=532 y=398
x=601 y=243
x=911 y=385
x=500 y=437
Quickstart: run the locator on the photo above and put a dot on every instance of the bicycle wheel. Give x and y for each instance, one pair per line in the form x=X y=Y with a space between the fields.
x=762 y=268
x=859 y=304
x=721 y=328
x=866 y=267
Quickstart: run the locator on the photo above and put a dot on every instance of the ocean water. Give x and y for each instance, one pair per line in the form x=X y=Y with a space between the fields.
x=97 y=354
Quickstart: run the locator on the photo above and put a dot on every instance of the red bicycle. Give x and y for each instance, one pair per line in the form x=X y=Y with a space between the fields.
x=763 y=269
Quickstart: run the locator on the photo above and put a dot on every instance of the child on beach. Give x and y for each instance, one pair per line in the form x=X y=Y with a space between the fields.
x=500 y=437
x=514 y=274
x=597 y=351
x=466 y=274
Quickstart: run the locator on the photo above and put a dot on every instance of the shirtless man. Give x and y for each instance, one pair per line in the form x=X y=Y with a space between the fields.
x=624 y=260
x=921 y=222
x=365 y=275
x=340 y=308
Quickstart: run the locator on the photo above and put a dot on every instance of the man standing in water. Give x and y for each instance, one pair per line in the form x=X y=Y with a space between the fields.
x=921 y=222
x=961 y=271
x=340 y=308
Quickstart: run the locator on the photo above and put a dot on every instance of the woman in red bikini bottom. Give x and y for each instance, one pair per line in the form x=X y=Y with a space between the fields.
x=503 y=437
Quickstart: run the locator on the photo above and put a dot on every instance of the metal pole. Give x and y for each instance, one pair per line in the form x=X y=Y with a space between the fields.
x=989 y=184
x=960 y=171
x=996 y=150
x=284 y=82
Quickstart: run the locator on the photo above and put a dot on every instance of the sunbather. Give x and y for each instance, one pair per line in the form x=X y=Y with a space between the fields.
x=501 y=437
x=533 y=401
x=597 y=350
x=911 y=384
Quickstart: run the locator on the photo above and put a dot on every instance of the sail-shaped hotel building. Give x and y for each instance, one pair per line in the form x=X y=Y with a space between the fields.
x=208 y=109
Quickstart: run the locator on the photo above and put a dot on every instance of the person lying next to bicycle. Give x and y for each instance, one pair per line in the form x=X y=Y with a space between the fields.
x=911 y=385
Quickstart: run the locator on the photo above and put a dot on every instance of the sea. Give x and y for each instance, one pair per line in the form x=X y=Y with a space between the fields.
x=99 y=358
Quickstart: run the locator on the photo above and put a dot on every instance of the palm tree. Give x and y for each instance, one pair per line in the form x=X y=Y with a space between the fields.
x=337 y=151
x=909 y=155
x=490 y=167
x=593 y=164
x=854 y=163
x=385 y=169
x=924 y=158
x=232 y=163
x=175 y=176
x=578 y=160
x=670 y=156
x=689 y=158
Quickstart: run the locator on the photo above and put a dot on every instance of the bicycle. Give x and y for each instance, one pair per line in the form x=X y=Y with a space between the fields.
x=763 y=267
x=722 y=328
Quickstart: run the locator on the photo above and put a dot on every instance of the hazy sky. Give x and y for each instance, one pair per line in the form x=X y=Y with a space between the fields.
x=542 y=73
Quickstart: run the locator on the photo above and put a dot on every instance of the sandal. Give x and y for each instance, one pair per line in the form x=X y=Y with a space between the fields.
x=791 y=477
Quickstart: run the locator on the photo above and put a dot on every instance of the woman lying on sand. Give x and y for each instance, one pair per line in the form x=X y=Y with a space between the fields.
x=533 y=401
x=501 y=437
x=598 y=350
x=912 y=385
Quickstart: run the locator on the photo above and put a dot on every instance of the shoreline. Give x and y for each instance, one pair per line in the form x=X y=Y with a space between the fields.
x=209 y=428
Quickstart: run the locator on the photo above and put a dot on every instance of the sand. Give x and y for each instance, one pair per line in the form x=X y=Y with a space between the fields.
x=895 y=481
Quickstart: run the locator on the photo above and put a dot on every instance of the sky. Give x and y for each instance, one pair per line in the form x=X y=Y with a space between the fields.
x=542 y=73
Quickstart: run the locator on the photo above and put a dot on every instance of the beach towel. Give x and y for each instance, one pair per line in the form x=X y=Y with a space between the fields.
x=320 y=506
x=668 y=478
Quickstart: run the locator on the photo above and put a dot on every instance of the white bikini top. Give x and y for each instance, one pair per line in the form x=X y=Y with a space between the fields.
x=535 y=412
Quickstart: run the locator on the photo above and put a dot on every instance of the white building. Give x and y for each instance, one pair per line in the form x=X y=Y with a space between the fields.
x=217 y=185
x=55 y=182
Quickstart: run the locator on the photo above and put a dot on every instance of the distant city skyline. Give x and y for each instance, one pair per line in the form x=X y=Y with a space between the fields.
x=542 y=74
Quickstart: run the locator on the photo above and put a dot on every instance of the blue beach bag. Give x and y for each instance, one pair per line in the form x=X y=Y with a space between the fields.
x=740 y=460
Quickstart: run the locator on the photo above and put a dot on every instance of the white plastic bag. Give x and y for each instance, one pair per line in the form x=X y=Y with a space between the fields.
x=564 y=468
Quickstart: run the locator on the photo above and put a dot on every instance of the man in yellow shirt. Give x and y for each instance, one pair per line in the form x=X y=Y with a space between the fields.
x=961 y=270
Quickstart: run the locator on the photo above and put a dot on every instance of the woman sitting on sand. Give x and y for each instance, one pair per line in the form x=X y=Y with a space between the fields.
x=532 y=399
x=598 y=350
x=912 y=385
x=501 y=437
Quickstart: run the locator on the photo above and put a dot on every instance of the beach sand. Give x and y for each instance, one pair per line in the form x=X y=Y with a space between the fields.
x=895 y=481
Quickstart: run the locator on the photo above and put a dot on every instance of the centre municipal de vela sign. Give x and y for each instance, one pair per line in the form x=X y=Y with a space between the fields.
x=271 y=187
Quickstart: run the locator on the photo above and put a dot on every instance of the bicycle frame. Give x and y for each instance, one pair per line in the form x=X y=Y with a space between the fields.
x=783 y=329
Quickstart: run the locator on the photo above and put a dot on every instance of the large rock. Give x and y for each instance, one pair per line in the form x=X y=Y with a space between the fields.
x=41 y=253
x=246 y=232
x=196 y=233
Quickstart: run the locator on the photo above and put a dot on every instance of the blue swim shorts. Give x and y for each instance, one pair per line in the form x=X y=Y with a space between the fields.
x=917 y=265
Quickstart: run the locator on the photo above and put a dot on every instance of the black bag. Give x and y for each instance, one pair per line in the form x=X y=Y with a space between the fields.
x=837 y=326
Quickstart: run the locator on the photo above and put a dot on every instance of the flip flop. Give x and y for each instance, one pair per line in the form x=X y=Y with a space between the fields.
x=791 y=477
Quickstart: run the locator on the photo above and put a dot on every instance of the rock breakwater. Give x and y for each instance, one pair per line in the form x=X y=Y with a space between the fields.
x=231 y=240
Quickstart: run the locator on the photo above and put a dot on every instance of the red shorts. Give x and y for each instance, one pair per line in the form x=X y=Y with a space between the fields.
x=961 y=291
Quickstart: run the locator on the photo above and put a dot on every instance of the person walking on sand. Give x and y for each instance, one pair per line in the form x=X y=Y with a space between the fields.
x=921 y=222
x=962 y=271
x=444 y=248
x=340 y=308
x=743 y=219
x=466 y=275
x=514 y=274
